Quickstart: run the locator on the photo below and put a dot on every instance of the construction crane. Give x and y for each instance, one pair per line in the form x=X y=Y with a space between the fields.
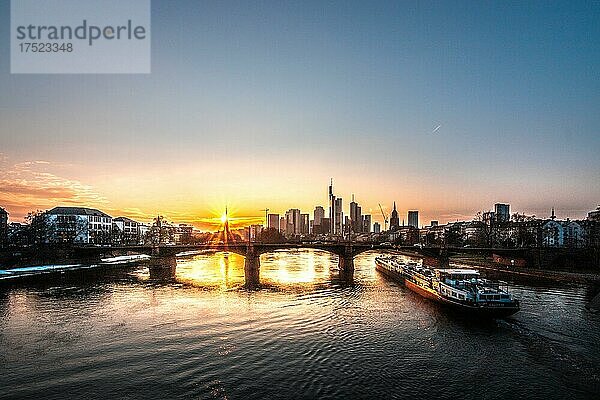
x=266 y=210
x=385 y=218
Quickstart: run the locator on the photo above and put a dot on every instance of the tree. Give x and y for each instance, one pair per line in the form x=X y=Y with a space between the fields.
x=39 y=229
x=486 y=229
x=525 y=230
x=158 y=233
x=454 y=237
x=270 y=235
x=68 y=229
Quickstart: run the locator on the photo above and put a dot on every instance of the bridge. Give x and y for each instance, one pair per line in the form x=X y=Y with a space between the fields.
x=164 y=255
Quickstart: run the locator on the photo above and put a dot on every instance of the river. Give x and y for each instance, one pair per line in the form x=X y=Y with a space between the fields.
x=120 y=333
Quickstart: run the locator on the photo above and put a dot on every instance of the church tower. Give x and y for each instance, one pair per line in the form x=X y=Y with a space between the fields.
x=394 y=219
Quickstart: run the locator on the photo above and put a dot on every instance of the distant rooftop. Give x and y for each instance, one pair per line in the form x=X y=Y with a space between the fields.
x=77 y=211
x=124 y=219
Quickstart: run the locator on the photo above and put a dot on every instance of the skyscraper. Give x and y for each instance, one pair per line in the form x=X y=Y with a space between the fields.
x=292 y=222
x=319 y=215
x=273 y=221
x=331 y=208
x=366 y=223
x=376 y=227
x=339 y=217
x=394 y=219
x=413 y=219
x=502 y=212
x=282 y=224
x=356 y=221
x=304 y=224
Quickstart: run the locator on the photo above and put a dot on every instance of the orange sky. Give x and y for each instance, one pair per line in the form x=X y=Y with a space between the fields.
x=197 y=194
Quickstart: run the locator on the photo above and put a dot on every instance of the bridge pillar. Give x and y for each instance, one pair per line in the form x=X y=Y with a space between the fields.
x=346 y=264
x=162 y=268
x=252 y=267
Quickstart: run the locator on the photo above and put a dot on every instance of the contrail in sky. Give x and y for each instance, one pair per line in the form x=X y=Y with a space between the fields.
x=436 y=129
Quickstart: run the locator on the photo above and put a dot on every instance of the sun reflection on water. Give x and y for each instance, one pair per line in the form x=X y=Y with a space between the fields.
x=226 y=270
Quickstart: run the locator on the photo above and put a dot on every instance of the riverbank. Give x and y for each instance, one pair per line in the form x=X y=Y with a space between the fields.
x=35 y=271
x=483 y=263
x=486 y=264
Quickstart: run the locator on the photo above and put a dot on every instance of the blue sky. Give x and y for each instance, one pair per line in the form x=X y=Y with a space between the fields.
x=260 y=103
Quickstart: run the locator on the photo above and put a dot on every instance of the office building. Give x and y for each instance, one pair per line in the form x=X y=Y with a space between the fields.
x=318 y=215
x=376 y=227
x=282 y=224
x=273 y=221
x=502 y=212
x=366 y=223
x=413 y=219
x=356 y=220
x=292 y=222
x=304 y=224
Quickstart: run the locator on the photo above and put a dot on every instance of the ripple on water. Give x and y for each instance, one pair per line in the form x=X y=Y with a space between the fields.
x=309 y=335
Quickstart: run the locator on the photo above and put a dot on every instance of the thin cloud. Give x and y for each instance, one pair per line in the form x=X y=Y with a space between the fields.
x=30 y=185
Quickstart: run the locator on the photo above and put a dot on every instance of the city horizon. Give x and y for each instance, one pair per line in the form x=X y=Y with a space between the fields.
x=444 y=108
x=238 y=220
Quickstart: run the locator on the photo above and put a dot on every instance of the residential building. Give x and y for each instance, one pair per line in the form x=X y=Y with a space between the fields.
x=182 y=233
x=78 y=225
x=557 y=233
x=125 y=231
x=594 y=215
x=3 y=227
x=143 y=229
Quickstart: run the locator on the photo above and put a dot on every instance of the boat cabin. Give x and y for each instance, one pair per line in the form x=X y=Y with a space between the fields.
x=456 y=275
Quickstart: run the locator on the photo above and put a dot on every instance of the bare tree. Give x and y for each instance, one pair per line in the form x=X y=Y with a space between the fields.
x=158 y=232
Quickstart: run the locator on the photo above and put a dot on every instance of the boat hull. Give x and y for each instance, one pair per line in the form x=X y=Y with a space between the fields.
x=486 y=311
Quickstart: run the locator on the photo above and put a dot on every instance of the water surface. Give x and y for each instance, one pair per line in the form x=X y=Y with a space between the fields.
x=306 y=334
